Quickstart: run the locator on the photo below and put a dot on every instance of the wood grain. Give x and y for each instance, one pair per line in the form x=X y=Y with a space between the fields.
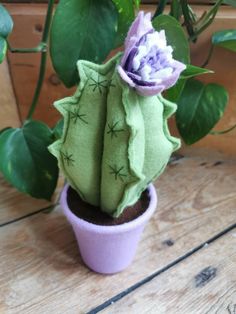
x=8 y=108
x=204 y=283
x=14 y=204
x=41 y=270
x=28 y=26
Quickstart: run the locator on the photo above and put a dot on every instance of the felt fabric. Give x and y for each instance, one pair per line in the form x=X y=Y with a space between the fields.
x=80 y=150
x=147 y=63
x=115 y=142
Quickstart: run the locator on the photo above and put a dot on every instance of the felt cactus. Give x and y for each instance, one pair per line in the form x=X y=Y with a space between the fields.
x=115 y=138
x=115 y=141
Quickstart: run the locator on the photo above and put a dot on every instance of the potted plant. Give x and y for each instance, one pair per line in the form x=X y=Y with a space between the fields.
x=115 y=139
x=115 y=142
x=107 y=23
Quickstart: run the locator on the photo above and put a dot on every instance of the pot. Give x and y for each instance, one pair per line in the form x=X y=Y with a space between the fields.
x=108 y=249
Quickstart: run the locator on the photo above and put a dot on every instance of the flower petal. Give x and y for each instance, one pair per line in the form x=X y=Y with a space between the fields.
x=124 y=76
x=147 y=63
x=141 y=25
x=149 y=90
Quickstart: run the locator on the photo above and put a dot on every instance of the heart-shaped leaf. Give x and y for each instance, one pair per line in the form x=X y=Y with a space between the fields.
x=125 y=18
x=173 y=93
x=230 y=2
x=3 y=48
x=57 y=130
x=4 y=129
x=6 y=23
x=199 y=108
x=25 y=160
x=175 y=36
x=192 y=70
x=81 y=29
x=225 y=39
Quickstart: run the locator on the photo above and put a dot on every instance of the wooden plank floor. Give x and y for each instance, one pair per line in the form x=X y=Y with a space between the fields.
x=202 y=283
x=41 y=270
x=15 y=205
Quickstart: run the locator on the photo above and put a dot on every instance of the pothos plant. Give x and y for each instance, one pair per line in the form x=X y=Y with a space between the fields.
x=90 y=30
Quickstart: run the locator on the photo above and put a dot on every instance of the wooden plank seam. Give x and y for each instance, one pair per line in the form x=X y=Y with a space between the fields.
x=142 y=282
x=28 y=215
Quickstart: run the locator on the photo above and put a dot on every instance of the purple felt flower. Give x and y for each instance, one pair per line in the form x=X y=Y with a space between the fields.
x=147 y=63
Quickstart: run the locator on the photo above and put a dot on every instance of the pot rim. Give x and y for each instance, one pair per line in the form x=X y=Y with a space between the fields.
x=75 y=220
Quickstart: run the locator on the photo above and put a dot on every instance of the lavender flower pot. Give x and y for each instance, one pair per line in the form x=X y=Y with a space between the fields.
x=108 y=249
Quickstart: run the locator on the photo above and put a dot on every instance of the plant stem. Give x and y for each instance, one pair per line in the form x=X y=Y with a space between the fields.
x=175 y=9
x=208 y=57
x=206 y=19
x=40 y=48
x=43 y=59
x=224 y=131
x=188 y=22
x=214 y=9
x=160 y=8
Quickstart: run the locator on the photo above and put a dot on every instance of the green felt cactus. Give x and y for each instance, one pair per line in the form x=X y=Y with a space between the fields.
x=114 y=142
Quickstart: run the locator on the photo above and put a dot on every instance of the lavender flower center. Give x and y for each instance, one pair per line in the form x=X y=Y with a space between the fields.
x=150 y=61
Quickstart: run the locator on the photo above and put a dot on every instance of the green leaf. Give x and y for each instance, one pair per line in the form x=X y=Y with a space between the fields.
x=199 y=108
x=175 y=36
x=81 y=29
x=173 y=93
x=4 y=129
x=225 y=39
x=126 y=16
x=25 y=160
x=3 y=49
x=230 y=2
x=6 y=23
x=192 y=71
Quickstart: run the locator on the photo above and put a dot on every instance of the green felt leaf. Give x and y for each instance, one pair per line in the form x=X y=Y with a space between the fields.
x=126 y=16
x=199 y=108
x=192 y=71
x=175 y=36
x=81 y=29
x=225 y=39
x=57 y=130
x=25 y=160
x=6 y=23
x=3 y=49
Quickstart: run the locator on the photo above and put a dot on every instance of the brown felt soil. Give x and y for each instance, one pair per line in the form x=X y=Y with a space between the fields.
x=94 y=214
